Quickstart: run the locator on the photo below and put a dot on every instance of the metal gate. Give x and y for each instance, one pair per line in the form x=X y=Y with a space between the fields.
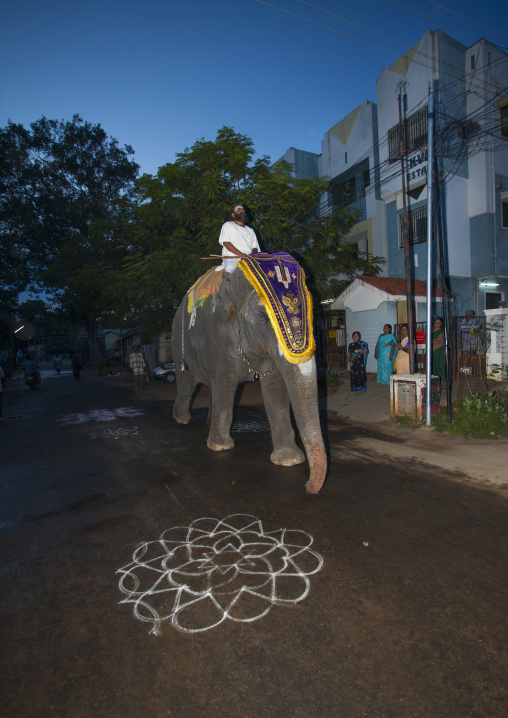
x=469 y=343
x=332 y=342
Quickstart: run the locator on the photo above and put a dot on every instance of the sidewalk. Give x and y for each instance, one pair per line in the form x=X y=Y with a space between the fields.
x=370 y=407
x=474 y=460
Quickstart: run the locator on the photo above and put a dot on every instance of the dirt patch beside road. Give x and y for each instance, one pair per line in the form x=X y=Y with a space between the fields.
x=479 y=461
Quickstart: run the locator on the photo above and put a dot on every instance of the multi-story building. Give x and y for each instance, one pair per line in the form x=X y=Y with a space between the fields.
x=361 y=155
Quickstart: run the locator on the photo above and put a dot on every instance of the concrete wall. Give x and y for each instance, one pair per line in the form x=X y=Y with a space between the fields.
x=305 y=164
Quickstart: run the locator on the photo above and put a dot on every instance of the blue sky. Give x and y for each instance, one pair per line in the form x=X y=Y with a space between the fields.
x=159 y=74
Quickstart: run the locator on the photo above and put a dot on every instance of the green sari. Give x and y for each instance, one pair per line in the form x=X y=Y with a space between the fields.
x=438 y=356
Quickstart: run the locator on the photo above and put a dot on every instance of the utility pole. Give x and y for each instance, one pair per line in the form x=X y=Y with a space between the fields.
x=443 y=281
x=405 y=238
x=430 y=224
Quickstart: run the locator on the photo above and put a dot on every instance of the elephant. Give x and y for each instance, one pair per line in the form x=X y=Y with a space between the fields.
x=229 y=340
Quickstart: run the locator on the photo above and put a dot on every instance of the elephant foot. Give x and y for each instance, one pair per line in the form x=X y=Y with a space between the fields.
x=287 y=456
x=220 y=446
x=182 y=418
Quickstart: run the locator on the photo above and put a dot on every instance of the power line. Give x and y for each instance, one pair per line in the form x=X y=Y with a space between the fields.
x=463 y=17
x=352 y=37
x=387 y=171
x=326 y=27
x=360 y=27
x=409 y=9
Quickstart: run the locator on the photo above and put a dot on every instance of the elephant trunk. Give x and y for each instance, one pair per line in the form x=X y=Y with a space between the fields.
x=301 y=383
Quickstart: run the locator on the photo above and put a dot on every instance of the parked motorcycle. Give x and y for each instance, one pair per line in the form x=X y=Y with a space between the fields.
x=165 y=372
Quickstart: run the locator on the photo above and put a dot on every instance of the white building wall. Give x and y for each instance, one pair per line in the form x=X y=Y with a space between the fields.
x=457 y=223
x=347 y=142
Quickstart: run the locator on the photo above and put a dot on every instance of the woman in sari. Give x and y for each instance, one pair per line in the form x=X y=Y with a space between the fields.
x=384 y=351
x=402 y=360
x=438 y=348
x=357 y=360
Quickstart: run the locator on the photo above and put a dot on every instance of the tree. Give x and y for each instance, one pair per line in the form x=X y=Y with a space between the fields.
x=287 y=217
x=58 y=179
x=55 y=180
x=182 y=208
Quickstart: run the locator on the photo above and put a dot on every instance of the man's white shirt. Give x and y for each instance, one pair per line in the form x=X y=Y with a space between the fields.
x=242 y=238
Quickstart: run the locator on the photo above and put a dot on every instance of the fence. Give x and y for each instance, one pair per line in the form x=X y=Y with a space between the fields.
x=468 y=343
x=331 y=349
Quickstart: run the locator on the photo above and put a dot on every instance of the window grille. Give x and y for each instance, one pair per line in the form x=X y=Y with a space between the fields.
x=349 y=191
x=417 y=226
x=415 y=135
x=351 y=185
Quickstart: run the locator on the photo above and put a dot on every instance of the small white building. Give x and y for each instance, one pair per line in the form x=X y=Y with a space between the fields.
x=372 y=302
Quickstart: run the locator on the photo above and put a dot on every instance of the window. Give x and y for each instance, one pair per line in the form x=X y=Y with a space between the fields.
x=349 y=191
x=344 y=192
x=473 y=63
x=493 y=300
x=415 y=135
x=504 y=120
x=417 y=226
x=349 y=186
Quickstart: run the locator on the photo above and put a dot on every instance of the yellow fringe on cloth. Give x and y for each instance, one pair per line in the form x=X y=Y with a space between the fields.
x=295 y=351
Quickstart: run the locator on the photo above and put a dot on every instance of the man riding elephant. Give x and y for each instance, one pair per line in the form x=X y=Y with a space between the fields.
x=237 y=239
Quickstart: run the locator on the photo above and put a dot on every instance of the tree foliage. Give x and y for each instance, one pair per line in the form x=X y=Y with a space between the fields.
x=75 y=217
x=182 y=208
x=56 y=179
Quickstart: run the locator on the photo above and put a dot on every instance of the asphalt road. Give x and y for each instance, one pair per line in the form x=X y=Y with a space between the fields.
x=386 y=595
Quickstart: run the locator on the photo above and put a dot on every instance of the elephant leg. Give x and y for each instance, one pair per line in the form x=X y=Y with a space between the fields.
x=210 y=409
x=275 y=396
x=185 y=386
x=219 y=438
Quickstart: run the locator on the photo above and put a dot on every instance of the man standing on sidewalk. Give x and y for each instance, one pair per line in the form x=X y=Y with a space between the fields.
x=137 y=364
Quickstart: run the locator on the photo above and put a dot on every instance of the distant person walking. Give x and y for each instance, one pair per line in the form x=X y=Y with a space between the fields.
x=384 y=352
x=137 y=364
